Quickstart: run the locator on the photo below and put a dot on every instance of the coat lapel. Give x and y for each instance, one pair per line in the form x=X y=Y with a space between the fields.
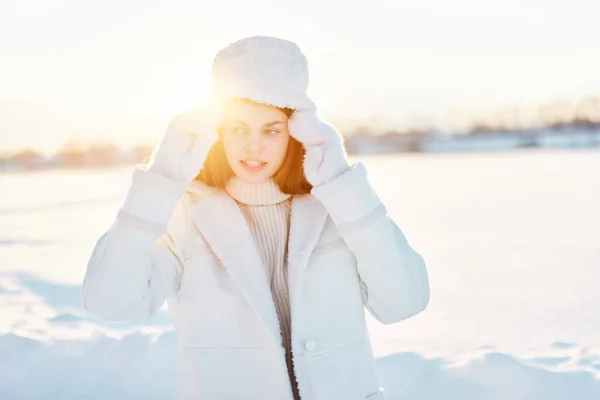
x=306 y=223
x=226 y=231
x=224 y=227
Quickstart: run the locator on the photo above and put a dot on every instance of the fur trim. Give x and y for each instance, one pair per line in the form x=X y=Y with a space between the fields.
x=264 y=69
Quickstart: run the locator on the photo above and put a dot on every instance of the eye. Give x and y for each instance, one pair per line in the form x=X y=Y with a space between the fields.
x=238 y=130
x=271 y=132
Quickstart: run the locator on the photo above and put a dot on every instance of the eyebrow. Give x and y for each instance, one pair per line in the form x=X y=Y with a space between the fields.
x=245 y=124
x=274 y=123
x=235 y=121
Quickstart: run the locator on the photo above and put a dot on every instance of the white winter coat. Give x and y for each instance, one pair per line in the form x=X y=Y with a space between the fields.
x=191 y=246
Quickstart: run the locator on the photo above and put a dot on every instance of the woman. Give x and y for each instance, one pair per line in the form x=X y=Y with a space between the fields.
x=265 y=242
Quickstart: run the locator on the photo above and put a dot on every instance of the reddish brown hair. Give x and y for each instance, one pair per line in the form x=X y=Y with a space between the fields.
x=289 y=177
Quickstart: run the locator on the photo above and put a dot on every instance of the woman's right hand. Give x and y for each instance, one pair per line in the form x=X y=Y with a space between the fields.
x=183 y=149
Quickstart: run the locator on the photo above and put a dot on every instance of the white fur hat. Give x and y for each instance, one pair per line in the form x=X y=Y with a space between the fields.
x=263 y=69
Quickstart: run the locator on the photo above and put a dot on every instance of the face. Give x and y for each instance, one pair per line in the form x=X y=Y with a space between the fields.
x=255 y=137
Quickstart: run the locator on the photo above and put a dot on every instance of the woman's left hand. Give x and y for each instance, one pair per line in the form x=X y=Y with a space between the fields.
x=325 y=156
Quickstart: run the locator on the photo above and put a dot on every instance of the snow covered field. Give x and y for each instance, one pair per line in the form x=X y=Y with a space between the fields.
x=512 y=242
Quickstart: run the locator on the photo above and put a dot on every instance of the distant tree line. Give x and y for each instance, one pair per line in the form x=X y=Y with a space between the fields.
x=559 y=115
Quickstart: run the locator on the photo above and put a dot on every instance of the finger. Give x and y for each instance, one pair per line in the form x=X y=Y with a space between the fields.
x=193 y=128
x=175 y=142
x=308 y=129
x=202 y=144
x=312 y=161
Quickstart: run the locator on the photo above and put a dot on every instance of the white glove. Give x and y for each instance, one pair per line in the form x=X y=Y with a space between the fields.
x=183 y=149
x=325 y=156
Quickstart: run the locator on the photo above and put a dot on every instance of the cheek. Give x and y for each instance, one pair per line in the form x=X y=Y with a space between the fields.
x=232 y=146
x=279 y=147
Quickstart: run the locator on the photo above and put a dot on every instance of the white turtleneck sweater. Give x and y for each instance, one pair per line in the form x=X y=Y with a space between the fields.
x=267 y=212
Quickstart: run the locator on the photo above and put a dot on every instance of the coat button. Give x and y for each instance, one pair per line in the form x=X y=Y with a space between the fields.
x=310 y=345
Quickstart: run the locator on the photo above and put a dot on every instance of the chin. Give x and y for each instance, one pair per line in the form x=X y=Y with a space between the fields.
x=253 y=177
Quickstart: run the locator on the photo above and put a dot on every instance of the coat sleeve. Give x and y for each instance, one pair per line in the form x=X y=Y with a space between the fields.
x=136 y=264
x=394 y=279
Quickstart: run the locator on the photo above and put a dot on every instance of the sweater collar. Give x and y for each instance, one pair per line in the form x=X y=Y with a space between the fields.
x=255 y=194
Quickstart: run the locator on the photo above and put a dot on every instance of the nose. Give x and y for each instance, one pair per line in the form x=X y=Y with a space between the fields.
x=255 y=144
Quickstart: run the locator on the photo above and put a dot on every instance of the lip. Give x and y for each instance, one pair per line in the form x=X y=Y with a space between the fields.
x=252 y=170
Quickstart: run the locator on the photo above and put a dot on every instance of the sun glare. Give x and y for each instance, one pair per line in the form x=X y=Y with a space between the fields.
x=187 y=87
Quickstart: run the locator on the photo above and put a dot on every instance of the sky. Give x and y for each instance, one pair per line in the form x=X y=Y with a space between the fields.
x=120 y=70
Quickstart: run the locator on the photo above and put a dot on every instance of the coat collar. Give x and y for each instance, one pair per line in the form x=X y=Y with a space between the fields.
x=218 y=218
